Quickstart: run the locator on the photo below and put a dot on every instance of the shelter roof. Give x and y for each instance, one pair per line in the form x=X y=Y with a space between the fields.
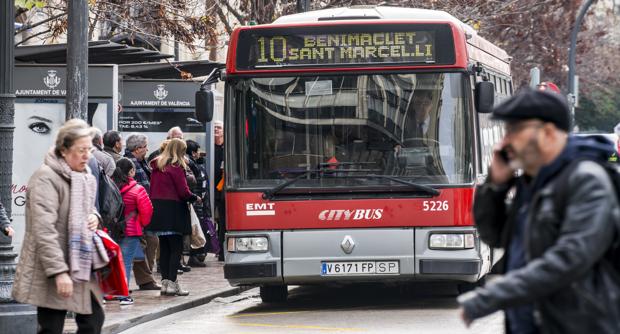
x=165 y=70
x=99 y=52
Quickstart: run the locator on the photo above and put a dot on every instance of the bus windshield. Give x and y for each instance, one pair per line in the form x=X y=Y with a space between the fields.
x=351 y=129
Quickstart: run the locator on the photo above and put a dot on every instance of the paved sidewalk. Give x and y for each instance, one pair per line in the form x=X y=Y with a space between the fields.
x=204 y=284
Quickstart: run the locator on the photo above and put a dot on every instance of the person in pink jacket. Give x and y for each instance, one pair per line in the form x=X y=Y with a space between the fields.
x=138 y=213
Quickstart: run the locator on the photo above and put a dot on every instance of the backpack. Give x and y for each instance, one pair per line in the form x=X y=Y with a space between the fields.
x=612 y=256
x=111 y=207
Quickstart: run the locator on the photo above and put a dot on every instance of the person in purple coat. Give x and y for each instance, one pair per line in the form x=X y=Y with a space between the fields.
x=170 y=195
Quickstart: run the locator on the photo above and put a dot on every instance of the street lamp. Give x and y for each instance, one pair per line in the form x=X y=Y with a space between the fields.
x=571 y=57
x=14 y=318
x=303 y=6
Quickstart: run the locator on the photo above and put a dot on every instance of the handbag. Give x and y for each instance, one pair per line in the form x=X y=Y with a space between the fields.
x=213 y=246
x=112 y=278
x=198 y=238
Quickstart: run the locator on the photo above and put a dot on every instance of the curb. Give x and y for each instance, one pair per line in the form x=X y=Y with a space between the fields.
x=138 y=320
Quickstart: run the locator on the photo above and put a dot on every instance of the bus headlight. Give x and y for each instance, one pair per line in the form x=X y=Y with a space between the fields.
x=451 y=241
x=247 y=244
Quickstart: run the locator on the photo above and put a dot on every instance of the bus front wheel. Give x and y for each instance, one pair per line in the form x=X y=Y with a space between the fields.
x=274 y=293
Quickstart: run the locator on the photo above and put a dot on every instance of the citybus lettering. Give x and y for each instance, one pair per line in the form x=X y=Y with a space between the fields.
x=359 y=214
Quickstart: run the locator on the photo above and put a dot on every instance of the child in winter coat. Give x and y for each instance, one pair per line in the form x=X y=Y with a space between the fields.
x=138 y=213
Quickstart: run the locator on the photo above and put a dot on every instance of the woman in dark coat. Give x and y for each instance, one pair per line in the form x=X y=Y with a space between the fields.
x=170 y=195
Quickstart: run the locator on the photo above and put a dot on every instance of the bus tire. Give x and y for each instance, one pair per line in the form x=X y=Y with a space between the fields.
x=274 y=293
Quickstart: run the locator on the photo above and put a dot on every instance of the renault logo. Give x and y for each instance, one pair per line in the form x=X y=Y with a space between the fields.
x=347 y=244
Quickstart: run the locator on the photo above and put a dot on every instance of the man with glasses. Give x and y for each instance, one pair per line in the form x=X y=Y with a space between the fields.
x=554 y=276
x=135 y=150
x=174 y=132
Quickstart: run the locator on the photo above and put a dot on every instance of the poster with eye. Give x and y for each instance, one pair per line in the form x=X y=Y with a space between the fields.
x=40 y=112
x=36 y=125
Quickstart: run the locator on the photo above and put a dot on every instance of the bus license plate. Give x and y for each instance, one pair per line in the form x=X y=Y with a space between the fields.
x=360 y=268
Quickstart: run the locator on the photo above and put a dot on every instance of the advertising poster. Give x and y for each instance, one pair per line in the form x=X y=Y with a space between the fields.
x=152 y=107
x=39 y=113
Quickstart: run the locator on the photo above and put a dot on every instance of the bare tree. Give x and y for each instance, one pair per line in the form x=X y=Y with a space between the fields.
x=184 y=21
x=533 y=32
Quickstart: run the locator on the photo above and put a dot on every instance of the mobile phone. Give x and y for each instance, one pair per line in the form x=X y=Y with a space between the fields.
x=503 y=155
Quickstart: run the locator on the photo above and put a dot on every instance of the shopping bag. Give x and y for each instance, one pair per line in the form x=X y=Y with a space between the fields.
x=198 y=238
x=213 y=245
x=112 y=278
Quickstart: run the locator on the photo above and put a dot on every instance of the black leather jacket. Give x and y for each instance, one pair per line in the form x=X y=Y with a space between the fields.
x=200 y=188
x=572 y=289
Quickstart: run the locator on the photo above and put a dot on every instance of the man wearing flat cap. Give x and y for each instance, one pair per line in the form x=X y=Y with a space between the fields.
x=555 y=230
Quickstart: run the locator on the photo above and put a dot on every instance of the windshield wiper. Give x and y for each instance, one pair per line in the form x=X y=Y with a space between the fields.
x=269 y=194
x=345 y=163
x=430 y=190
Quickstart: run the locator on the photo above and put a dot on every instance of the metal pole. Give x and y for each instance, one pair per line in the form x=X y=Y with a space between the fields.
x=572 y=54
x=534 y=77
x=14 y=318
x=177 y=52
x=77 y=60
x=303 y=6
x=7 y=101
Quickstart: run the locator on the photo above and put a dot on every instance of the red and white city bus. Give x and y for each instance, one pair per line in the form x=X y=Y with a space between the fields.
x=354 y=140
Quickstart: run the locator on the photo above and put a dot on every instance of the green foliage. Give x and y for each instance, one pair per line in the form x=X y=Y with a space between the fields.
x=29 y=4
x=599 y=112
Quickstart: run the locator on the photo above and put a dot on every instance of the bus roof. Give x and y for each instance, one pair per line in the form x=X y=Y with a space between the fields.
x=479 y=49
x=372 y=12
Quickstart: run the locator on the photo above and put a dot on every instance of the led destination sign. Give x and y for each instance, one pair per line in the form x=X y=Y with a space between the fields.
x=345 y=46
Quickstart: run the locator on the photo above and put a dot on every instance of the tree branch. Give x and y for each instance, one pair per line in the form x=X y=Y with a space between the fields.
x=30 y=26
x=235 y=13
x=32 y=36
x=91 y=29
x=224 y=20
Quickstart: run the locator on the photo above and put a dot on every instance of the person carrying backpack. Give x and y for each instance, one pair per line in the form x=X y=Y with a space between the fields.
x=557 y=231
x=138 y=213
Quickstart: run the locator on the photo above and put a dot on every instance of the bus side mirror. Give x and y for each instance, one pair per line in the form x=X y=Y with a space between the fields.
x=204 y=105
x=485 y=97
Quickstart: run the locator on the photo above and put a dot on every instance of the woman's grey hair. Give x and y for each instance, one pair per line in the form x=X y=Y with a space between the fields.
x=69 y=133
x=134 y=141
x=97 y=137
x=173 y=130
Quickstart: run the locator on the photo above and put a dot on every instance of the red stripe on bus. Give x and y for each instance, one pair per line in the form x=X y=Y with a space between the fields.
x=249 y=211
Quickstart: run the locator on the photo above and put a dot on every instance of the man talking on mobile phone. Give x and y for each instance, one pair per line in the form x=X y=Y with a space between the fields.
x=5 y=222
x=556 y=277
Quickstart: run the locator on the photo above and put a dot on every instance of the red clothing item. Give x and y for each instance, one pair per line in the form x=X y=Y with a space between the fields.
x=138 y=208
x=170 y=184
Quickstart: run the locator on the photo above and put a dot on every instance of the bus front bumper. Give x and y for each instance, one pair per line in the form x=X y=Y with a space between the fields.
x=299 y=257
